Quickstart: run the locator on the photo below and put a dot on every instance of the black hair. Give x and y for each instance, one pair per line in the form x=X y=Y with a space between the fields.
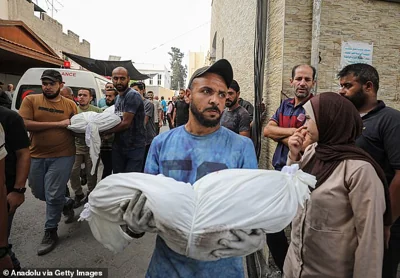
x=113 y=90
x=139 y=84
x=235 y=86
x=314 y=71
x=363 y=73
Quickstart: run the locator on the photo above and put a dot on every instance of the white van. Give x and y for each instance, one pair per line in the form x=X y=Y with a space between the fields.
x=30 y=83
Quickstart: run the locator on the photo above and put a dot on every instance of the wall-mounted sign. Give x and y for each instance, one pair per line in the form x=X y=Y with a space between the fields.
x=356 y=52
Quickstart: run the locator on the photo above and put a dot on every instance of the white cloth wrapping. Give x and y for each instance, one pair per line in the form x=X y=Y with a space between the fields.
x=91 y=123
x=193 y=221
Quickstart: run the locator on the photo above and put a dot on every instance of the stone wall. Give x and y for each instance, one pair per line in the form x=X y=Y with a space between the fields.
x=374 y=22
x=48 y=29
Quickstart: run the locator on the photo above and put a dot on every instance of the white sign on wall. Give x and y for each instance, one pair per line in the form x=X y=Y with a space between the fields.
x=356 y=52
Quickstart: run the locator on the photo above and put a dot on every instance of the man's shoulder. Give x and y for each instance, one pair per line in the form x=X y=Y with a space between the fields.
x=8 y=115
x=95 y=108
x=242 y=111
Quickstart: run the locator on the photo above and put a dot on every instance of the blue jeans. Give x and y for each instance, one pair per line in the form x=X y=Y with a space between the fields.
x=47 y=179
x=127 y=160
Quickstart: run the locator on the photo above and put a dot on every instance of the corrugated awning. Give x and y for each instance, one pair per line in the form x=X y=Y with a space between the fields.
x=105 y=68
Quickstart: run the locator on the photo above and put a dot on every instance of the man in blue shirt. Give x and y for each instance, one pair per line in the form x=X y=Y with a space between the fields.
x=204 y=147
x=129 y=142
x=164 y=108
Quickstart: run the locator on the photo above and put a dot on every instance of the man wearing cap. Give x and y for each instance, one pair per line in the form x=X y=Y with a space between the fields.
x=52 y=149
x=205 y=147
x=289 y=116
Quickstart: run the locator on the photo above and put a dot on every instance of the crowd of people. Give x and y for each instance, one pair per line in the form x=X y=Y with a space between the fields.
x=347 y=139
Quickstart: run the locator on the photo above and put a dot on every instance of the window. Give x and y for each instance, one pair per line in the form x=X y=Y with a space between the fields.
x=159 y=79
x=151 y=80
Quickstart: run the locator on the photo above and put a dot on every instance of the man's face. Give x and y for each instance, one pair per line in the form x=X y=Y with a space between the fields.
x=110 y=98
x=207 y=99
x=120 y=80
x=150 y=96
x=136 y=88
x=231 y=98
x=351 y=89
x=84 y=97
x=182 y=94
x=302 y=82
x=109 y=86
x=51 y=89
x=65 y=93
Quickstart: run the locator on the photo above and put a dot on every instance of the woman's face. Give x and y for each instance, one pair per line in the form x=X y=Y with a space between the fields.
x=312 y=130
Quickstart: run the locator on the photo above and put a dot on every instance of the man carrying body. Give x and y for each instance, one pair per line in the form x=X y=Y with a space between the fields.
x=289 y=116
x=17 y=165
x=107 y=140
x=82 y=153
x=158 y=112
x=129 y=143
x=46 y=117
x=360 y=83
x=181 y=115
x=235 y=117
x=216 y=148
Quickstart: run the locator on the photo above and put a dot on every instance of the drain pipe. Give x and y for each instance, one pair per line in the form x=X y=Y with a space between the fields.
x=316 y=32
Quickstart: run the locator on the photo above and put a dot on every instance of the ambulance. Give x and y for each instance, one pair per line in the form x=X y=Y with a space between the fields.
x=30 y=83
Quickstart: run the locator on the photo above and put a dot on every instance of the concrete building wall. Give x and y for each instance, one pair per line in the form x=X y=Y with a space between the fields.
x=48 y=29
x=374 y=22
x=4 y=9
x=232 y=23
x=196 y=60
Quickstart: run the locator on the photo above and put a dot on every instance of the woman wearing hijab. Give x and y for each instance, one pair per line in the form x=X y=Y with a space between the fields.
x=339 y=232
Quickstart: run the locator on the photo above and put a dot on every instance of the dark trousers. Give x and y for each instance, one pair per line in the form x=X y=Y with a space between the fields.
x=127 y=160
x=145 y=155
x=278 y=246
x=106 y=158
x=157 y=128
x=15 y=261
x=170 y=121
x=391 y=257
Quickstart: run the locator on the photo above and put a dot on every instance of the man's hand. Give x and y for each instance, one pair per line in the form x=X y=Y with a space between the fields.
x=65 y=123
x=138 y=218
x=160 y=124
x=245 y=245
x=15 y=199
x=295 y=143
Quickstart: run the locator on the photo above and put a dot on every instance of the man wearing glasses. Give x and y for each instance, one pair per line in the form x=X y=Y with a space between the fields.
x=46 y=117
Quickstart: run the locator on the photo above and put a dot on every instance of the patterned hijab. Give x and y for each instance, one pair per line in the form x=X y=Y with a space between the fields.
x=339 y=124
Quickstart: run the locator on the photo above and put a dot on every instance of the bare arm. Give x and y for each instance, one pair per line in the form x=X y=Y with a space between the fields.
x=146 y=119
x=39 y=126
x=276 y=133
x=23 y=165
x=394 y=190
x=127 y=119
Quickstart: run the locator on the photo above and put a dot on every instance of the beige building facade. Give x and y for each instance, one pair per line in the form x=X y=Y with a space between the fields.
x=196 y=61
x=306 y=31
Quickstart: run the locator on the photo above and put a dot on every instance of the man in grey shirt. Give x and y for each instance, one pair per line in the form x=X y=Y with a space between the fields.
x=148 y=116
x=235 y=117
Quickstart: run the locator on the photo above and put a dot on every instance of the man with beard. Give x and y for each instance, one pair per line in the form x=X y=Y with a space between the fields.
x=360 y=83
x=67 y=93
x=107 y=140
x=204 y=147
x=129 y=143
x=235 y=117
x=52 y=149
x=283 y=124
x=181 y=109
x=82 y=155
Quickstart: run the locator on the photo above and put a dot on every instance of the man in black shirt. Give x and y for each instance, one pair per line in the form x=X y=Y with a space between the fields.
x=17 y=164
x=181 y=109
x=360 y=83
